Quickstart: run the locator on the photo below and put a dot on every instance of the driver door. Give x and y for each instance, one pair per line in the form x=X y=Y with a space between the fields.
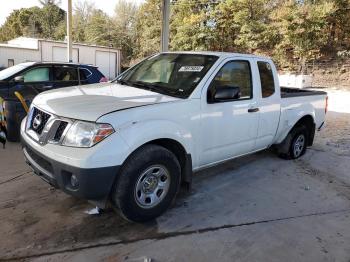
x=33 y=81
x=229 y=128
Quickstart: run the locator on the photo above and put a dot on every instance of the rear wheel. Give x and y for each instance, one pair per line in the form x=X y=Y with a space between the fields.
x=298 y=138
x=147 y=183
x=299 y=146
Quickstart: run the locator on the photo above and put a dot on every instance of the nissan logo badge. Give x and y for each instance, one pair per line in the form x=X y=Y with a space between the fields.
x=37 y=121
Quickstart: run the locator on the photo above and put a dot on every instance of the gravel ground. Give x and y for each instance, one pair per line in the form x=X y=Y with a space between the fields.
x=255 y=208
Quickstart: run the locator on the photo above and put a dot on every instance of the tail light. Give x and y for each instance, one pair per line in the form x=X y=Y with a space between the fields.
x=103 y=80
x=326 y=108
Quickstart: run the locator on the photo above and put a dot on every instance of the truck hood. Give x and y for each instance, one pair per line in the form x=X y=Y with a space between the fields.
x=93 y=101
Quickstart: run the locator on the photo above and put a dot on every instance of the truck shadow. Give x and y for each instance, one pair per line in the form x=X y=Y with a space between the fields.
x=109 y=227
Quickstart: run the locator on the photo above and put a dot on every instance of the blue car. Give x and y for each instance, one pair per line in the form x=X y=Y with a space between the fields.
x=32 y=78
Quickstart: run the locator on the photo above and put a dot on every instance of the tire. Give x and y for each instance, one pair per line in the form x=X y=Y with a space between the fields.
x=298 y=138
x=13 y=114
x=147 y=184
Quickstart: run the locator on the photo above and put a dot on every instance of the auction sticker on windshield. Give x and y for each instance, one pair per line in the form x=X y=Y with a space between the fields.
x=191 y=68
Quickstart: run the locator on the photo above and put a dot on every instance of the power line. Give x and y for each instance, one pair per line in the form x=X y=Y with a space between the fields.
x=196 y=3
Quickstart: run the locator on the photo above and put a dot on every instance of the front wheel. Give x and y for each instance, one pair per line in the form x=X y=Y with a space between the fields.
x=147 y=183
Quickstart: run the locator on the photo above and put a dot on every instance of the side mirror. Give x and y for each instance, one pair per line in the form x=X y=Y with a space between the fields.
x=19 y=79
x=226 y=93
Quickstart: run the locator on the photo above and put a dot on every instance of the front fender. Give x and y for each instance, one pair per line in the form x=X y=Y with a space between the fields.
x=139 y=133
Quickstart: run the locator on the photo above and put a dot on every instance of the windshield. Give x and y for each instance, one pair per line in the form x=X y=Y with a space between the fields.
x=6 y=73
x=169 y=74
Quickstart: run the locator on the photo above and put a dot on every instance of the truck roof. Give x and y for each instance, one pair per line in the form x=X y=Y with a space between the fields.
x=220 y=54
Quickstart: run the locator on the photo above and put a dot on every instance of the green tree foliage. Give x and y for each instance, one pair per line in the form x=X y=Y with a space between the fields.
x=301 y=29
x=192 y=25
x=83 y=12
x=338 y=26
x=287 y=30
x=98 y=28
x=124 y=28
x=25 y=21
x=148 y=28
x=91 y=25
x=46 y=22
x=52 y=17
x=244 y=25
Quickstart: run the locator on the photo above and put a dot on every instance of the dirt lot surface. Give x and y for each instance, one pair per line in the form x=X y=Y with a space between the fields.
x=334 y=78
x=255 y=208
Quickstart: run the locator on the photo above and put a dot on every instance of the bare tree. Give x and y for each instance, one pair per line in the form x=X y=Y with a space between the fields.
x=50 y=2
x=83 y=10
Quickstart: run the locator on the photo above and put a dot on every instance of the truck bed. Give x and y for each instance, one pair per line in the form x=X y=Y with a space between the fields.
x=287 y=92
x=296 y=102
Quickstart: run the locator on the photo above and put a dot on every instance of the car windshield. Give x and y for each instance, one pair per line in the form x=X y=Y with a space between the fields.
x=6 y=73
x=170 y=74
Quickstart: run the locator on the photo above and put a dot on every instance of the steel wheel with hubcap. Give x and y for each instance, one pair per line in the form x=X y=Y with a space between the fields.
x=152 y=186
x=147 y=183
x=299 y=145
x=295 y=144
x=299 y=142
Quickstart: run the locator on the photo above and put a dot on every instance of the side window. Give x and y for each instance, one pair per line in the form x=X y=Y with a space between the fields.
x=40 y=74
x=234 y=74
x=65 y=73
x=84 y=73
x=266 y=79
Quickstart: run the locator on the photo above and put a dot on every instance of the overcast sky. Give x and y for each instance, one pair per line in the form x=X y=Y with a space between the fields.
x=7 y=6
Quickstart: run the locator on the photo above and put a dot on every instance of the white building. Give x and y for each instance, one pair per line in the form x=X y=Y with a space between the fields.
x=23 y=49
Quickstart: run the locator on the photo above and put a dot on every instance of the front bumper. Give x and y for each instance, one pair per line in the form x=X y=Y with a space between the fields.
x=94 y=184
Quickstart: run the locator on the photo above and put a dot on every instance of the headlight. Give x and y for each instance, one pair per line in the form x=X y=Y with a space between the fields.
x=86 y=134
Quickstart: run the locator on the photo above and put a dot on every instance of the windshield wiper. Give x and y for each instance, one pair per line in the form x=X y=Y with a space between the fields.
x=162 y=89
x=123 y=82
x=134 y=84
x=147 y=86
x=154 y=87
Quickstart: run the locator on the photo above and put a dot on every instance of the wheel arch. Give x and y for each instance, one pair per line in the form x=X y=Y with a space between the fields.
x=179 y=150
x=184 y=158
x=308 y=121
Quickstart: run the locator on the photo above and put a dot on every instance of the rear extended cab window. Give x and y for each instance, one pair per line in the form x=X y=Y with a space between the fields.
x=266 y=79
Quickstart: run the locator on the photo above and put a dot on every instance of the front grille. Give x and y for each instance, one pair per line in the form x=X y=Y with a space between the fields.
x=39 y=120
x=40 y=161
x=59 y=132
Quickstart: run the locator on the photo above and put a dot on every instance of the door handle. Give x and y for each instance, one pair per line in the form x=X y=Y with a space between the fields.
x=47 y=87
x=253 y=110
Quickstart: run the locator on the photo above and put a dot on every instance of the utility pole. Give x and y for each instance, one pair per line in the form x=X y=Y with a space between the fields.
x=165 y=26
x=69 y=31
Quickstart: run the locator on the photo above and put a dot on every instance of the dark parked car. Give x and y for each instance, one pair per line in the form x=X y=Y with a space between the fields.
x=32 y=78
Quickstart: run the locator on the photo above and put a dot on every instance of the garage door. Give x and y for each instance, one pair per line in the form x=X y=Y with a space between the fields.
x=59 y=54
x=106 y=62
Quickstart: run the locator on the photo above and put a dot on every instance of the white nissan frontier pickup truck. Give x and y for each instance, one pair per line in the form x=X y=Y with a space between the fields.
x=132 y=142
